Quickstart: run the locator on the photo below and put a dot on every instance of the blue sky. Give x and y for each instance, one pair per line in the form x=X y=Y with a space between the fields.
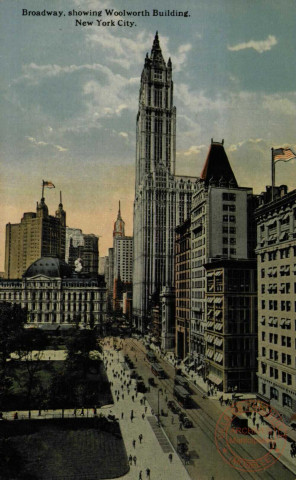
x=69 y=96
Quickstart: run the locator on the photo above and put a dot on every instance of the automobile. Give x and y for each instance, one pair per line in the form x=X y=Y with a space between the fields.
x=187 y=423
x=173 y=406
x=182 y=415
x=141 y=386
x=151 y=382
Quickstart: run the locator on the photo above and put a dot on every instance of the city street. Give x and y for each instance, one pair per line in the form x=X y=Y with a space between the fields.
x=205 y=461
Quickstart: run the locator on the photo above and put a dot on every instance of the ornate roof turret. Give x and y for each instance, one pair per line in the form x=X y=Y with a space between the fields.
x=42 y=209
x=156 y=53
x=217 y=168
x=60 y=213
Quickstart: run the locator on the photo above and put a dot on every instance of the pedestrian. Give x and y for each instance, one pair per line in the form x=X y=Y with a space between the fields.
x=82 y=412
x=274 y=445
x=122 y=396
x=148 y=472
x=122 y=415
x=170 y=457
x=140 y=437
x=257 y=425
x=145 y=409
x=133 y=398
x=130 y=459
x=140 y=475
x=143 y=416
x=95 y=410
x=15 y=416
x=135 y=459
x=134 y=444
x=180 y=426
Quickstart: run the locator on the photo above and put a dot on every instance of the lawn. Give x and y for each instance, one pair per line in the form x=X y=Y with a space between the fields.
x=51 y=450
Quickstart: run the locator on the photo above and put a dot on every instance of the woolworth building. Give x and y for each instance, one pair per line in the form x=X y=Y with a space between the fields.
x=162 y=198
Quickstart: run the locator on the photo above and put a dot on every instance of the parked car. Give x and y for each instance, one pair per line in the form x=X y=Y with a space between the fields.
x=182 y=415
x=152 y=382
x=141 y=386
x=173 y=406
x=187 y=423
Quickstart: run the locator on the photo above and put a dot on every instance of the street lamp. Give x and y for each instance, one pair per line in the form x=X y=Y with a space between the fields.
x=158 y=415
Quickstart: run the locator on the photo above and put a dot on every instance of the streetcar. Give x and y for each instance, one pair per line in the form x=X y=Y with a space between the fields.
x=179 y=380
x=157 y=370
x=151 y=357
x=182 y=395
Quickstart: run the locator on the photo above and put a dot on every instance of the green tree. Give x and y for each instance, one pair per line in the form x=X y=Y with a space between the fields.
x=12 y=320
x=29 y=347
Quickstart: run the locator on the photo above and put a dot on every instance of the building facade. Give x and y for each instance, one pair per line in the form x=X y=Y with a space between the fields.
x=276 y=254
x=222 y=226
x=84 y=258
x=162 y=199
x=54 y=296
x=183 y=288
x=38 y=234
x=231 y=330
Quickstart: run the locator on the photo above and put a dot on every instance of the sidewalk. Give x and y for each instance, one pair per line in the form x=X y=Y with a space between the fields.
x=153 y=452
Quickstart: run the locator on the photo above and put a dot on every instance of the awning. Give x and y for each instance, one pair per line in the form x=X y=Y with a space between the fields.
x=210 y=274
x=210 y=312
x=275 y=322
x=210 y=324
x=288 y=323
x=271 y=222
x=218 y=274
x=218 y=326
x=282 y=322
x=210 y=353
x=283 y=235
x=218 y=300
x=218 y=341
x=262 y=321
x=270 y=321
x=215 y=379
x=218 y=313
x=210 y=299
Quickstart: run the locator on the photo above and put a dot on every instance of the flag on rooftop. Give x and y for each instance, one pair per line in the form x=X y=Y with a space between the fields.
x=283 y=154
x=48 y=184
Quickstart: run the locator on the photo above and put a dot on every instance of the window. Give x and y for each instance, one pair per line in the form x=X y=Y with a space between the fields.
x=287 y=400
x=274 y=393
x=229 y=197
x=262 y=273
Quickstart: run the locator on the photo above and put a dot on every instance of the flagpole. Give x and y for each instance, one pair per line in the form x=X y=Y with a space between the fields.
x=272 y=175
x=42 y=189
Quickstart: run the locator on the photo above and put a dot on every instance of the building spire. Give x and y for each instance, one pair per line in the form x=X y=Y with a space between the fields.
x=156 y=53
x=119 y=225
x=217 y=169
x=119 y=213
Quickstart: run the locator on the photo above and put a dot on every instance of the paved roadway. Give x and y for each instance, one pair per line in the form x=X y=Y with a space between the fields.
x=206 y=461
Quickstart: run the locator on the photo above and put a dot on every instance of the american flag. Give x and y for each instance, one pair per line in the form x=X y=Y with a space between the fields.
x=283 y=154
x=48 y=184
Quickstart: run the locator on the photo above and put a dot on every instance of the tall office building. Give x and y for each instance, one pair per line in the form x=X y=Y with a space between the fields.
x=162 y=199
x=221 y=227
x=276 y=254
x=84 y=258
x=37 y=235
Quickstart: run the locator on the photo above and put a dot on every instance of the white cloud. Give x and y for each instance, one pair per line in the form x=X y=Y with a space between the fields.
x=259 y=45
x=123 y=134
x=193 y=150
x=36 y=142
x=278 y=104
x=45 y=144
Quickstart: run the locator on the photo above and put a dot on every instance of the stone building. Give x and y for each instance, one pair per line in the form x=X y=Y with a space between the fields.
x=55 y=296
x=182 y=288
x=162 y=199
x=231 y=329
x=222 y=226
x=276 y=254
x=38 y=234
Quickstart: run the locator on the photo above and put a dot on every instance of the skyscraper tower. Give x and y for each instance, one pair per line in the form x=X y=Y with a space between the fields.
x=156 y=205
x=119 y=225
